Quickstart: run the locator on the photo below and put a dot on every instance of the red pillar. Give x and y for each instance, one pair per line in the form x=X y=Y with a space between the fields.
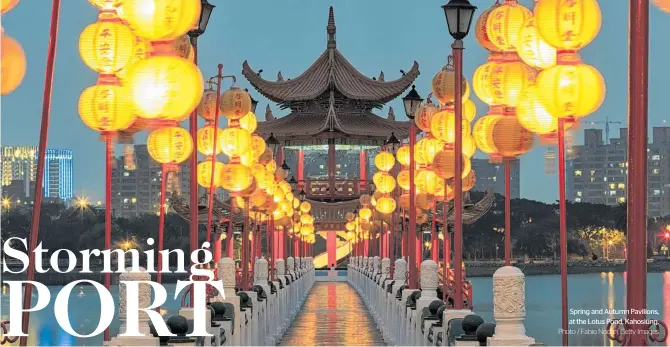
x=435 y=244
x=638 y=77
x=331 y=247
x=301 y=168
x=508 y=213
x=412 y=238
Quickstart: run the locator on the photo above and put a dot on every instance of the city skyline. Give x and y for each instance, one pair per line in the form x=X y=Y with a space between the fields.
x=364 y=36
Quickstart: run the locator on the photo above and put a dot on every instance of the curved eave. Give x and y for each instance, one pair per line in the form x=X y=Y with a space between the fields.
x=354 y=85
x=312 y=83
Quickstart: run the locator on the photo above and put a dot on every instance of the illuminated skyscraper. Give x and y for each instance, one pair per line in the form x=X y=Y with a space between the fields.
x=19 y=166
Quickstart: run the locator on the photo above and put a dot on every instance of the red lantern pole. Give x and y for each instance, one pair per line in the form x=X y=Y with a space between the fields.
x=210 y=198
x=508 y=213
x=230 y=238
x=636 y=264
x=447 y=244
x=413 y=238
x=161 y=226
x=391 y=233
x=41 y=157
x=193 y=183
x=457 y=47
x=109 y=157
x=435 y=244
x=563 y=232
x=245 y=246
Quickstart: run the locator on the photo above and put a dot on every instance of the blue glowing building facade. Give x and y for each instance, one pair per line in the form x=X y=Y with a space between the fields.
x=19 y=165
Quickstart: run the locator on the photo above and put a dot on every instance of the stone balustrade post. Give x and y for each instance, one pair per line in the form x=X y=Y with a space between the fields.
x=399 y=276
x=261 y=274
x=144 y=300
x=226 y=273
x=385 y=265
x=291 y=292
x=428 y=294
x=509 y=308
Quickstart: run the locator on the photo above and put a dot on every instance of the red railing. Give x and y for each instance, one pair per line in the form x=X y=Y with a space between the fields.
x=467 y=287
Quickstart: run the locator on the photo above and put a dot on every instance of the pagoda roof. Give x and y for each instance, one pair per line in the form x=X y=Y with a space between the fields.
x=331 y=70
x=349 y=128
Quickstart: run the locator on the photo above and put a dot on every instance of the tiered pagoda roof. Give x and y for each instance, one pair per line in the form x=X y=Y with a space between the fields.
x=331 y=100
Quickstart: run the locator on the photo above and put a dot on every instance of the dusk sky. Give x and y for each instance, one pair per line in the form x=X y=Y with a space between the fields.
x=288 y=35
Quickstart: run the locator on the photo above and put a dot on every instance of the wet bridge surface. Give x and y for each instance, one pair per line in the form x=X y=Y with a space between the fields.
x=333 y=315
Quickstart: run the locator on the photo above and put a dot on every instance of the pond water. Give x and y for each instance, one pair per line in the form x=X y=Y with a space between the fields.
x=543 y=306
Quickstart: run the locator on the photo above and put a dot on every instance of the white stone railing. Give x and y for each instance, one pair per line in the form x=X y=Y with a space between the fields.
x=418 y=317
x=256 y=317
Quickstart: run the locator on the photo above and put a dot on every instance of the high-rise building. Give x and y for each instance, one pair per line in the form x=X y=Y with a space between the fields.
x=19 y=168
x=598 y=173
x=492 y=175
x=136 y=191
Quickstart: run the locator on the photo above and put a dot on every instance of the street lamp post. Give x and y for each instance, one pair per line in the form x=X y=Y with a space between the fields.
x=412 y=101
x=393 y=144
x=205 y=13
x=459 y=14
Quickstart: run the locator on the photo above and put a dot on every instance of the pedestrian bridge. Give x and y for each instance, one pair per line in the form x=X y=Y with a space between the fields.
x=365 y=305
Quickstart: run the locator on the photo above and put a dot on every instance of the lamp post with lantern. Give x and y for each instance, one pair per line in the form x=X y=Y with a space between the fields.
x=411 y=102
x=205 y=12
x=459 y=14
x=393 y=144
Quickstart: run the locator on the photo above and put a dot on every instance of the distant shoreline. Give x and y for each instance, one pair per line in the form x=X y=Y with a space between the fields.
x=487 y=270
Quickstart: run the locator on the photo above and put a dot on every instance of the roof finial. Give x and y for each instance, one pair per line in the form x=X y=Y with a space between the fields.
x=268 y=114
x=280 y=77
x=391 y=114
x=381 y=76
x=331 y=29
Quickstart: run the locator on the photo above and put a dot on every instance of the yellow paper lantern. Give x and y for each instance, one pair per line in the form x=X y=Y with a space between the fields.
x=481 y=81
x=469 y=110
x=170 y=145
x=568 y=25
x=6 y=5
x=427 y=181
x=106 y=46
x=424 y=201
x=574 y=90
x=443 y=124
x=165 y=87
x=161 y=20
x=384 y=161
x=235 y=141
x=182 y=47
x=141 y=50
x=307 y=230
x=403 y=155
x=504 y=24
x=385 y=183
x=509 y=80
x=510 y=138
x=257 y=147
x=444 y=164
x=349 y=217
x=533 y=116
x=205 y=141
x=469 y=181
x=104 y=4
x=364 y=199
x=403 y=201
x=421 y=219
x=257 y=198
x=350 y=226
x=12 y=64
x=236 y=177
x=365 y=213
x=305 y=207
x=235 y=103
x=386 y=205
x=207 y=105
x=663 y=5
x=271 y=166
x=106 y=108
x=533 y=49
x=205 y=173
x=444 y=86
x=469 y=147
x=285 y=187
x=425 y=150
x=482 y=133
x=249 y=122
x=403 y=179
x=479 y=29
x=424 y=114
x=445 y=192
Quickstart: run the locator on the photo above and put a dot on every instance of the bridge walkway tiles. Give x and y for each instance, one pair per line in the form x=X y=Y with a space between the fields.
x=333 y=315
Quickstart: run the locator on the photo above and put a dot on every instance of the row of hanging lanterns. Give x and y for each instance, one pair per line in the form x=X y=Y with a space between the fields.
x=13 y=60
